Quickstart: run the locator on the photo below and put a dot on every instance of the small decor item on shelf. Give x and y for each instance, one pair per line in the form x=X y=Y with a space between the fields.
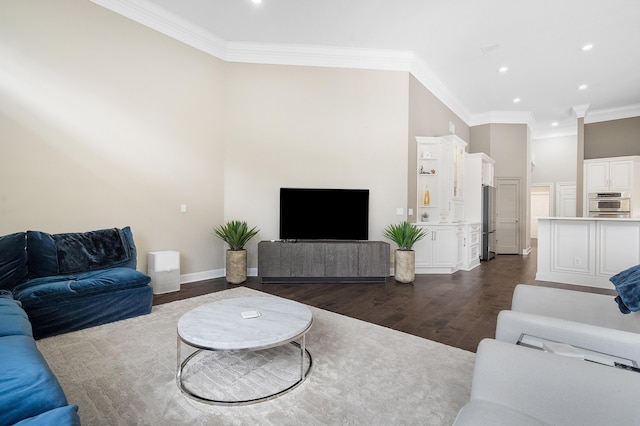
x=426 y=155
x=425 y=217
x=421 y=171
x=427 y=196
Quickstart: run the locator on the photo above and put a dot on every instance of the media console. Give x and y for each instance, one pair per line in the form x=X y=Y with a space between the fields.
x=323 y=261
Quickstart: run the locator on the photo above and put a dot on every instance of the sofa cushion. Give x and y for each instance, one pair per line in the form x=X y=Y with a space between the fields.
x=28 y=387
x=13 y=319
x=63 y=416
x=13 y=260
x=49 y=290
x=55 y=254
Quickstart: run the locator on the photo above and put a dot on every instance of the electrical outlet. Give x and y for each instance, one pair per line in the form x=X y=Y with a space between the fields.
x=576 y=261
x=183 y=208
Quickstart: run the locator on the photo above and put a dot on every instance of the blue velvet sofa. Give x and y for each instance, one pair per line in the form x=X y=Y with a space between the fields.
x=29 y=392
x=67 y=282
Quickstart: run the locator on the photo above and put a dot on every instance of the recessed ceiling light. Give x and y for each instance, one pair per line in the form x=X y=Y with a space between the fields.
x=256 y=1
x=587 y=47
x=516 y=100
x=582 y=87
x=503 y=69
x=554 y=124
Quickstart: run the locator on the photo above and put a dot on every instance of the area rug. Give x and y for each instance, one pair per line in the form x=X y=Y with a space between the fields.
x=123 y=373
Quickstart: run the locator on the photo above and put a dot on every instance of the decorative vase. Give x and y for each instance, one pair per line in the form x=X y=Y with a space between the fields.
x=236 y=264
x=405 y=266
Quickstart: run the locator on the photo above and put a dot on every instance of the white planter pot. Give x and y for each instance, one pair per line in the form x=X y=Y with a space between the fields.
x=405 y=266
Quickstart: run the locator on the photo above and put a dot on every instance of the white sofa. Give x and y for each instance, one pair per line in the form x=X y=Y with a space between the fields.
x=574 y=305
x=514 y=385
x=587 y=320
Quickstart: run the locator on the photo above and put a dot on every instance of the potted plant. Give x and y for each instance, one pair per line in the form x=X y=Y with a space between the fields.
x=405 y=235
x=236 y=234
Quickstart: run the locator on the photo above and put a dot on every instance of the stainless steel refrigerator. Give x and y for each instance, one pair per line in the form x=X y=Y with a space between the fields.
x=488 y=223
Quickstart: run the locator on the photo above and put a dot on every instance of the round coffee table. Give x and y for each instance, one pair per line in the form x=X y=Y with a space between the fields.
x=244 y=324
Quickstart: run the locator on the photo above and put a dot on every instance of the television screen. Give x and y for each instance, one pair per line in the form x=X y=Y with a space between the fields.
x=324 y=214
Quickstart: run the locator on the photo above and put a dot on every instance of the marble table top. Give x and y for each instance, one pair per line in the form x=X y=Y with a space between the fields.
x=221 y=326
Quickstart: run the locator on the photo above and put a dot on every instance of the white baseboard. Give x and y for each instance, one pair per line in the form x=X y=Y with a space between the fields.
x=211 y=274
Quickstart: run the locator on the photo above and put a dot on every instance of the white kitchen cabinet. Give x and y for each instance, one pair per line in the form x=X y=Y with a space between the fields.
x=611 y=174
x=437 y=253
x=471 y=247
x=586 y=251
x=440 y=179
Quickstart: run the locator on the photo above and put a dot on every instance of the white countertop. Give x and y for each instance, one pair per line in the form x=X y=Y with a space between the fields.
x=604 y=219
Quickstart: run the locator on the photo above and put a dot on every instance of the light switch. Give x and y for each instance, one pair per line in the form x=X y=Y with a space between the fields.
x=410 y=212
x=183 y=208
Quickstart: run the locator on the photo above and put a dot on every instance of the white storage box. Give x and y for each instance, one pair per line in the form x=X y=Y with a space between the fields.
x=164 y=270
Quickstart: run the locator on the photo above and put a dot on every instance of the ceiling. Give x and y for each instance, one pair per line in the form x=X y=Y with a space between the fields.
x=455 y=47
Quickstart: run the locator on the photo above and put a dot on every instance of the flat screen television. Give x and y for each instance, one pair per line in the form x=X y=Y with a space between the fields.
x=324 y=214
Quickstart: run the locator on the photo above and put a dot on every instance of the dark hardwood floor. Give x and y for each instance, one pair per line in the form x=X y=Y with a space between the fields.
x=458 y=309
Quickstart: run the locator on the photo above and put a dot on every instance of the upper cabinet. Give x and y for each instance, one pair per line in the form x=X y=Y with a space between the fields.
x=611 y=174
x=440 y=179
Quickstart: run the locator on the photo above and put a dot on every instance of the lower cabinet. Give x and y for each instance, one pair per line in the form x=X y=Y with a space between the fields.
x=586 y=251
x=323 y=261
x=472 y=246
x=437 y=253
x=448 y=248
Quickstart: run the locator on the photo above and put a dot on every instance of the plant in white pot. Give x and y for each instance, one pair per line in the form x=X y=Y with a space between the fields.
x=236 y=234
x=405 y=235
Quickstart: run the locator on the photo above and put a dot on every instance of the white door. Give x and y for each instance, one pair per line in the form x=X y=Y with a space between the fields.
x=566 y=201
x=507 y=216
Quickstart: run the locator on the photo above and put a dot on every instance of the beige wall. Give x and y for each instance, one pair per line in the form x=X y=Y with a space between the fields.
x=106 y=123
x=615 y=138
x=428 y=116
x=314 y=127
x=509 y=146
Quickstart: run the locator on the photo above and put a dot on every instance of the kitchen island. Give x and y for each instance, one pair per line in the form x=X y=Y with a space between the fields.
x=586 y=251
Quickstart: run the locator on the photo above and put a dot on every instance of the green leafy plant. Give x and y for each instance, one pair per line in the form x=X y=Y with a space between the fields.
x=236 y=233
x=405 y=234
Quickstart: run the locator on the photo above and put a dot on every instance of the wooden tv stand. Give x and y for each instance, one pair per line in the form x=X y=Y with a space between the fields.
x=323 y=261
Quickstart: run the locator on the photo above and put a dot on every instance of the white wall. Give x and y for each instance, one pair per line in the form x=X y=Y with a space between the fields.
x=555 y=159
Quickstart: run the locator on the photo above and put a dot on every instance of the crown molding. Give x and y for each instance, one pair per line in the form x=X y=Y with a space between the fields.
x=421 y=71
x=152 y=16
x=556 y=132
x=609 y=114
x=580 y=111
x=324 y=56
x=159 y=19
x=503 y=117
